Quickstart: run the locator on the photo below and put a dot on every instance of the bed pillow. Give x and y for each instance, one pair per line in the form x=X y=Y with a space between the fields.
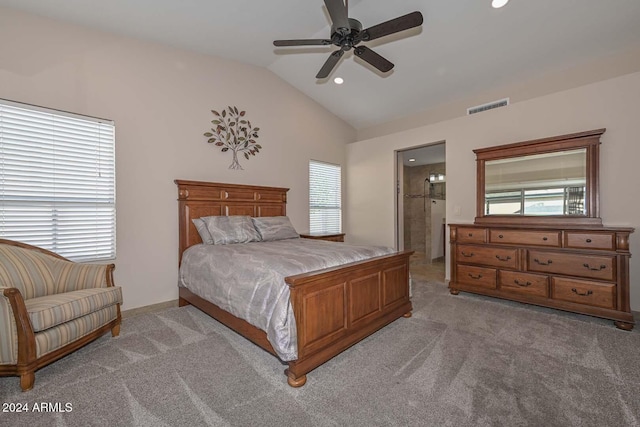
x=202 y=231
x=231 y=229
x=275 y=228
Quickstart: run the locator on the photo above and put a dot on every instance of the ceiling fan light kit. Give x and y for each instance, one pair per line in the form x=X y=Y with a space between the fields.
x=347 y=33
x=496 y=4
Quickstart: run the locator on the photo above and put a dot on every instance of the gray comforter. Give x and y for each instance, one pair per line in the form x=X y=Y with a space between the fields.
x=247 y=279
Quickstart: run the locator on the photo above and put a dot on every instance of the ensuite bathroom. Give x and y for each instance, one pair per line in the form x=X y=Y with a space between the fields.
x=423 y=191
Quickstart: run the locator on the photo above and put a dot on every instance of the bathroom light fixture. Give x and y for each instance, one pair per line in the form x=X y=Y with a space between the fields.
x=338 y=80
x=498 y=3
x=412 y=159
x=437 y=177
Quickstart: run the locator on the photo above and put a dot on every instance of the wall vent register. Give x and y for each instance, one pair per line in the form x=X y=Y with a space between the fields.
x=489 y=106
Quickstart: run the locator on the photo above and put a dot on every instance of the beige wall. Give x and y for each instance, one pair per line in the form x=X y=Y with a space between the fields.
x=611 y=104
x=615 y=64
x=160 y=99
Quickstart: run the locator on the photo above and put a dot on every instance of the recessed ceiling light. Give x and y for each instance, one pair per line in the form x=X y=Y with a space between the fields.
x=338 y=80
x=412 y=160
x=498 y=3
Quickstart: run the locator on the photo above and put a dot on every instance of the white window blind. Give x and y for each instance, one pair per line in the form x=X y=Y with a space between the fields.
x=325 y=198
x=57 y=181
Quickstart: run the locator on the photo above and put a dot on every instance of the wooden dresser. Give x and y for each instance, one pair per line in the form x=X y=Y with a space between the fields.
x=582 y=269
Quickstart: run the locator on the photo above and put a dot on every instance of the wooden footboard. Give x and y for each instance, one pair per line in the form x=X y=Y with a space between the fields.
x=337 y=307
x=334 y=309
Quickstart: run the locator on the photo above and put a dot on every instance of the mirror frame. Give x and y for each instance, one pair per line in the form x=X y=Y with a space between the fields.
x=590 y=140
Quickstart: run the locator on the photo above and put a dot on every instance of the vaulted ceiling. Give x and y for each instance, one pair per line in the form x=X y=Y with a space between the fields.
x=463 y=46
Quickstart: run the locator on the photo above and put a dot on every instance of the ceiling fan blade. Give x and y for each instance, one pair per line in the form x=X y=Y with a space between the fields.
x=338 y=13
x=302 y=42
x=330 y=64
x=413 y=19
x=373 y=58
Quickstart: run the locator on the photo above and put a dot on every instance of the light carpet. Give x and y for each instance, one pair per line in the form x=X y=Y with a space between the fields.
x=459 y=361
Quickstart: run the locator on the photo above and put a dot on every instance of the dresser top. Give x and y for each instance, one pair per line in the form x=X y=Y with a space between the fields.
x=547 y=227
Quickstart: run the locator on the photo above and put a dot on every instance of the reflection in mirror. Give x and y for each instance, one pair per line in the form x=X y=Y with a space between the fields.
x=540 y=184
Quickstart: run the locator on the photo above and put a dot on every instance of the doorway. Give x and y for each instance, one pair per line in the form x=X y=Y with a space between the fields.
x=421 y=208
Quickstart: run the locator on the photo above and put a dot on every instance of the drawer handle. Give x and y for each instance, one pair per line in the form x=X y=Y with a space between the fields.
x=466 y=255
x=602 y=267
x=545 y=239
x=536 y=260
x=588 y=240
x=500 y=236
x=586 y=294
x=507 y=258
x=479 y=276
x=519 y=283
x=470 y=234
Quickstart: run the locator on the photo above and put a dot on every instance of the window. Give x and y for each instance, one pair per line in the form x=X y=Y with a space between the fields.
x=325 y=198
x=544 y=201
x=57 y=181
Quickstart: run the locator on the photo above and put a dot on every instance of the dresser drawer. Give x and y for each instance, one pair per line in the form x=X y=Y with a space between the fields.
x=584 y=292
x=525 y=237
x=487 y=255
x=471 y=235
x=476 y=276
x=524 y=283
x=590 y=240
x=589 y=266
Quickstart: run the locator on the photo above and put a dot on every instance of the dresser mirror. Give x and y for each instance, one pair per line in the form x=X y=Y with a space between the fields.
x=545 y=181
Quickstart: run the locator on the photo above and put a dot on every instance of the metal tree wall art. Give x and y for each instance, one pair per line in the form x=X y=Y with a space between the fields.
x=234 y=133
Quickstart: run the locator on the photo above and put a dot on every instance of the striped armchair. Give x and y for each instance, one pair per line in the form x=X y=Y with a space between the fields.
x=49 y=307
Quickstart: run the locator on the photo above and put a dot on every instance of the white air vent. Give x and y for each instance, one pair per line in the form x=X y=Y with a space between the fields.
x=490 y=106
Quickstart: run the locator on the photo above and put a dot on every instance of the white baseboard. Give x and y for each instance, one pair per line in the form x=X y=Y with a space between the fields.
x=149 y=308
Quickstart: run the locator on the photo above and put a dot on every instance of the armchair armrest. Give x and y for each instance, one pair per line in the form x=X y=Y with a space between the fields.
x=16 y=334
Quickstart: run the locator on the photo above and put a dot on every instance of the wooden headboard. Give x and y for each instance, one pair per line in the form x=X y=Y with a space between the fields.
x=197 y=199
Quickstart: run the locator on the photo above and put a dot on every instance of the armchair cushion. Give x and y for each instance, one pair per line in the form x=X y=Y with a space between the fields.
x=65 y=333
x=71 y=276
x=52 y=310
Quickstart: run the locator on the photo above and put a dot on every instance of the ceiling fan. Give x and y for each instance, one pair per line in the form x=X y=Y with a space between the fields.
x=347 y=33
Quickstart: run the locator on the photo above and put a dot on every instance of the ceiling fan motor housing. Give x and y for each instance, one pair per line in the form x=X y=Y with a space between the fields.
x=350 y=39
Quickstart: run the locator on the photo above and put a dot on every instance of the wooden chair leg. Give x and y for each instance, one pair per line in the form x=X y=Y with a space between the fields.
x=115 y=331
x=27 y=380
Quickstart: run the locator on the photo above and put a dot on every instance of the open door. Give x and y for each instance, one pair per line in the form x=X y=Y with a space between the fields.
x=421 y=202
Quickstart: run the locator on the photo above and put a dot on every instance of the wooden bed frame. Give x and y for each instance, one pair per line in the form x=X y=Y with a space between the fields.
x=334 y=308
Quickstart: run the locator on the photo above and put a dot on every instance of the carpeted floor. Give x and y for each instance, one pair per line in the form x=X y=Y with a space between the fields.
x=459 y=361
